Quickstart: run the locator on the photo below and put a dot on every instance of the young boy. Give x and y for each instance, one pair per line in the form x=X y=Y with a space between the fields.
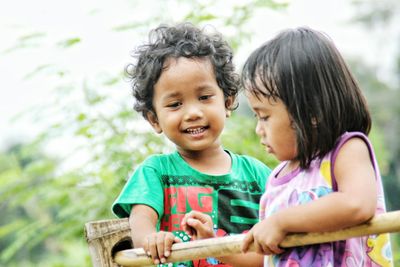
x=185 y=85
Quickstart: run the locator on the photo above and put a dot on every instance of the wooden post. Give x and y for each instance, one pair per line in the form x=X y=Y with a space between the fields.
x=105 y=237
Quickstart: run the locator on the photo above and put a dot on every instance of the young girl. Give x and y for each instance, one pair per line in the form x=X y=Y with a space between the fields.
x=313 y=118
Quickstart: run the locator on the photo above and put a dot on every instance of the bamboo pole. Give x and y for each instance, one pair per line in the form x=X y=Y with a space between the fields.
x=221 y=246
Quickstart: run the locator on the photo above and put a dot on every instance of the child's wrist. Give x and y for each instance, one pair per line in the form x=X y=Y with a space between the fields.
x=281 y=222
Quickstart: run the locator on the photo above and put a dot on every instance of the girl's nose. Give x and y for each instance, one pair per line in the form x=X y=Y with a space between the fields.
x=259 y=129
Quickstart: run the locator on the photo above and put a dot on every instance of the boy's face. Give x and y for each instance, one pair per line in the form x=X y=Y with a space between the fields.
x=274 y=127
x=189 y=104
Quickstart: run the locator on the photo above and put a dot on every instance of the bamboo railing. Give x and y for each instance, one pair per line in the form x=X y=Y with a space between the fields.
x=110 y=243
x=215 y=247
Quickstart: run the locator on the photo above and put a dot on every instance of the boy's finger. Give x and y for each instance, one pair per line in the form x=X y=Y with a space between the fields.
x=202 y=217
x=197 y=225
x=168 y=241
x=152 y=248
x=160 y=245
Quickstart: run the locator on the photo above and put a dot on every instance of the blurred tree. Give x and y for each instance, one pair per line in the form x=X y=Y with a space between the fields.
x=48 y=192
x=383 y=17
x=383 y=96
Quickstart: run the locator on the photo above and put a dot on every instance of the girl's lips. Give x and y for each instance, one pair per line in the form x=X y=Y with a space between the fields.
x=268 y=147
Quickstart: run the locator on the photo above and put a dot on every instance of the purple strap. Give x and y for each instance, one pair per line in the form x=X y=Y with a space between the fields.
x=342 y=140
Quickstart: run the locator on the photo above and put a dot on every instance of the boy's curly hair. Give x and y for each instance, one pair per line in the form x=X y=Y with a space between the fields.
x=181 y=40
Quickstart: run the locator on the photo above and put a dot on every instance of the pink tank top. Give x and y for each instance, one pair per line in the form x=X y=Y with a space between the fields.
x=305 y=185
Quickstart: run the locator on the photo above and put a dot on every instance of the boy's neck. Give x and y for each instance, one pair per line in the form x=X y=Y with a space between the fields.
x=211 y=161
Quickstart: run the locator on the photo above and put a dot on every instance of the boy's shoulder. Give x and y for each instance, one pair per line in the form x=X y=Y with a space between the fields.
x=246 y=160
x=158 y=157
x=158 y=160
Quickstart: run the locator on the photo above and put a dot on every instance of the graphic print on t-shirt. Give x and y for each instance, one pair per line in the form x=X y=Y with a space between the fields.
x=232 y=205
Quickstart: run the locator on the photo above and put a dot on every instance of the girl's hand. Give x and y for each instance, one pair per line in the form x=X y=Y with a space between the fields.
x=266 y=237
x=158 y=245
x=198 y=225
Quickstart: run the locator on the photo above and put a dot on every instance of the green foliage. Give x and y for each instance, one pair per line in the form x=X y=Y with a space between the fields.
x=240 y=137
x=47 y=194
x=72 y=172
x=383 y=97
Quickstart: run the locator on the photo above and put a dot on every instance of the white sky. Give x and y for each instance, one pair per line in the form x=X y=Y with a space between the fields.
x=104 y=50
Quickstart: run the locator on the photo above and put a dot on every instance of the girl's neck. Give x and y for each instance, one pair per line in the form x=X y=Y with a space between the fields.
x=214 y=161
x=289 y=167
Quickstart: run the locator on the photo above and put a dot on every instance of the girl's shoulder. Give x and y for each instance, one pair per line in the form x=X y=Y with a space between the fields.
x=352 y=147
x=353 y=143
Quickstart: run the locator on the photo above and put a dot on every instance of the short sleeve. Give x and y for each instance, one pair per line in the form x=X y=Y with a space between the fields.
x=144 y=187
x=262 y=173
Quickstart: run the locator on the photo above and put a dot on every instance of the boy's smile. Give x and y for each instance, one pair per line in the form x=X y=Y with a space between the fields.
x=189 y=104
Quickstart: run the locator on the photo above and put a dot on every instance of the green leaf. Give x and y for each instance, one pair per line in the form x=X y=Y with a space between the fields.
x=69 y=42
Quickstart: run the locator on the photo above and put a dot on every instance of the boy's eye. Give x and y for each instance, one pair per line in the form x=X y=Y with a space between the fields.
x=205 y=97
x=174 y=105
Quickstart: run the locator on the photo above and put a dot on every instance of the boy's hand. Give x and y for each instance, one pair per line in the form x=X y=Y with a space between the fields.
x=266 y=236
x=198 y=225
x=158 y=245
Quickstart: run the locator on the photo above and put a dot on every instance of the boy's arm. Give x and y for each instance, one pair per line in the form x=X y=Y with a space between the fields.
x=143 y=221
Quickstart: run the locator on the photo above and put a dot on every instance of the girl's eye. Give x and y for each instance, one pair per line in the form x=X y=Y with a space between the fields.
x=261 y=118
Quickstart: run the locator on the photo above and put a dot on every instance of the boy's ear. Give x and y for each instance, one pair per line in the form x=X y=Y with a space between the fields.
x=152 y=118
x=229 y=102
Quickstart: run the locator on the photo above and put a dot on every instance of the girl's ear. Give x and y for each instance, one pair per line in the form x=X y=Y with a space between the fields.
x=229 y=102
x=314 y=122
x=152 y=118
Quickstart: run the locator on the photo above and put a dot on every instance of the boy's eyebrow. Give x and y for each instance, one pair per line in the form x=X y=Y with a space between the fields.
x=206 y=87
x=170 y=95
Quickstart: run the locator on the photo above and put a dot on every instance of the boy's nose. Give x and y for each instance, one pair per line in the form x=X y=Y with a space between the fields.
x=193 y=112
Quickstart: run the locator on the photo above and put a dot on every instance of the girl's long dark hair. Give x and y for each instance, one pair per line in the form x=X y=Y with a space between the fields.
x=303 y=68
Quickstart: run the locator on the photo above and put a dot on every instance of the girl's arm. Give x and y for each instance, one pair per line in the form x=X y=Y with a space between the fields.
x=353 y=203
x=200 y=226
x=143 y=221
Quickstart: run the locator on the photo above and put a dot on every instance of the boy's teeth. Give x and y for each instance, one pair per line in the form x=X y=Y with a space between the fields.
x=195 y=131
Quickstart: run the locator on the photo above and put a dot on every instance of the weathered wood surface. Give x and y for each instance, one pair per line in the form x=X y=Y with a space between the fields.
x=216 y=247
x=105 y=236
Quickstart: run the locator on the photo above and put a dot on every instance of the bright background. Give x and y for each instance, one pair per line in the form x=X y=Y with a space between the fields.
x=69 y=137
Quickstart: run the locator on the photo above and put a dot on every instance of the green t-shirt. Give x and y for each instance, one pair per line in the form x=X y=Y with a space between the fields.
x=173 y=188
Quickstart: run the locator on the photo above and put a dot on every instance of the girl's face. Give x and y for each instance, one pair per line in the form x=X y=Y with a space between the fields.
x=274 y=127
x=189 y=104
